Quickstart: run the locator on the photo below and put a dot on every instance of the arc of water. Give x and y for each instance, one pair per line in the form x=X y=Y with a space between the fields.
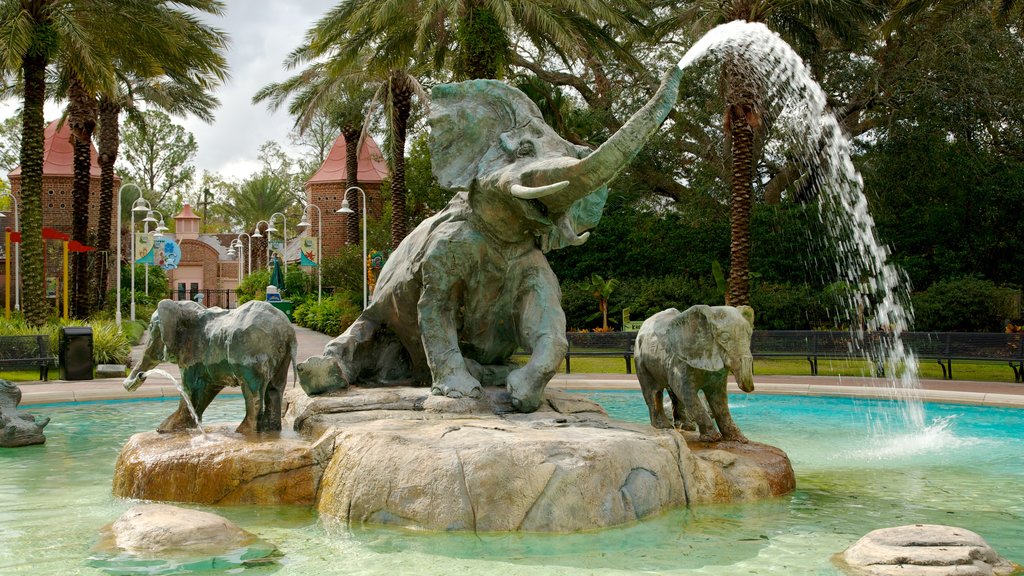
x=184 y=396
x=863 y=260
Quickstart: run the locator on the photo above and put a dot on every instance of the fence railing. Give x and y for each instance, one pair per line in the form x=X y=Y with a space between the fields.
x=211 y=297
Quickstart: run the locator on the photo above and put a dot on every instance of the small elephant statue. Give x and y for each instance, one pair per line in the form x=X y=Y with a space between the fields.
x=18 y=428
x=690 y=351
x=470 y=286
x=251 y=346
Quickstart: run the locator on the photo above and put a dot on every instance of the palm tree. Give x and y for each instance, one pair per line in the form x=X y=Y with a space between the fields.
x=344 y=101
x=602 y=290
x=802 y=22
x=84 y=38
x=256 y=199
x=481 y=32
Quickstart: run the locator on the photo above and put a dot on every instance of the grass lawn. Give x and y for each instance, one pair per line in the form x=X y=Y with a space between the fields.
x=930 y=369
x=24 y=375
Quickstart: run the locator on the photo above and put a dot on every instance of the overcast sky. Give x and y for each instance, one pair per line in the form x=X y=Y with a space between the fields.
x=262 y=33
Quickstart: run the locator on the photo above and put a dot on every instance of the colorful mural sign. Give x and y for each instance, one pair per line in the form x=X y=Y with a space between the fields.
x=309 y=255
x=171 y=253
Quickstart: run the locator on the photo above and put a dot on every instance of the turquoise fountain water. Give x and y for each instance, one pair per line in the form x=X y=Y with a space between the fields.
x=55 y=497
x=878 y=289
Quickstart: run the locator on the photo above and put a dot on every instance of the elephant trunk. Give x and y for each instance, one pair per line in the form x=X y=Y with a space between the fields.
x=745 y=374
x=586 y=175
x=150 y=359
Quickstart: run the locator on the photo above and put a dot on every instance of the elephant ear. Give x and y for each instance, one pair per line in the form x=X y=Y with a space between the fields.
x=469 y=126
x=699 y=345
x=177 y=319
x=748 y=314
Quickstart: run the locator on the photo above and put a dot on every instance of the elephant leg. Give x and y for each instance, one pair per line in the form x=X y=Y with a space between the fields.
x=541 y=329
x=690 y=380
x=269 y=418
x=437 y=308
x=200 y=393
x=678 y=414
x=718 y=401
x=653 y=396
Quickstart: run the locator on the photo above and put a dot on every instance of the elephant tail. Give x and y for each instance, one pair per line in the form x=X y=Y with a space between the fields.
x=295 y=362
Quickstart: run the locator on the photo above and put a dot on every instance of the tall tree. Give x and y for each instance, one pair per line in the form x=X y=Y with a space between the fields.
x=803 y=22
x=255 y=199
x=158 y=155
x=84 y=38
x=82 y=117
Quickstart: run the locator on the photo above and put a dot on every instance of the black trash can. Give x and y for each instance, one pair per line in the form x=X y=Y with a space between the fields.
x=75 y=355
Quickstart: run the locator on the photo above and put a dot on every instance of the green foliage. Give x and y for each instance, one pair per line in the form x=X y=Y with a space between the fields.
x=298 y=285
x=158 y=155
x=344 y=272
x=483 y=45
x=425 y=196
x=332 y=315
x=966 y=303
x=110 y=345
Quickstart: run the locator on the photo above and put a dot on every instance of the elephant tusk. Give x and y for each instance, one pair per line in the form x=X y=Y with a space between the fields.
x=580 y=239
x=529 y=192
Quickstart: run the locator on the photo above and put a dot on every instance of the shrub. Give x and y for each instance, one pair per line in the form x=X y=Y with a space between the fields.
x=110 y=345
x=331 y=316
x=966 y=303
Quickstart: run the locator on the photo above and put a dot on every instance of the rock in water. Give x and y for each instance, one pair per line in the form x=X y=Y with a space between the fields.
x=923 y=550
x=18 y=428
x=163 y=539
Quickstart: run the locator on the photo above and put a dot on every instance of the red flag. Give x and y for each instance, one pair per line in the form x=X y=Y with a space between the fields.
x=54 y=234
x=76 y=246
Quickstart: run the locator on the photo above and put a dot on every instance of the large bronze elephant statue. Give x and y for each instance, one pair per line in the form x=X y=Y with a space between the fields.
x=471 y=285
x=251 y=346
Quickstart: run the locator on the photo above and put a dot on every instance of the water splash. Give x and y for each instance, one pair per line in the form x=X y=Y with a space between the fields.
x=878 y=289
x=184 y=396
x=937 y=438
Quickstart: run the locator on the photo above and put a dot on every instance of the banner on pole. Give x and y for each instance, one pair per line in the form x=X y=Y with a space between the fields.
x=168 y=253
x=309 y=255
x=144 y=248
x=276 y=250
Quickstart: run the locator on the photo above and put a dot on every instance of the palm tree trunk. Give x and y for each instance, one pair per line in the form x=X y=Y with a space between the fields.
x=82 y=119
x=351 y=134
x=739 y=116
x=35 y=305
x=109 y=142
x=401 y=98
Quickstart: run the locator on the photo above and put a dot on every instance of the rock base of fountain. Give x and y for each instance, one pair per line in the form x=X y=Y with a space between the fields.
x=400 y=456
x=225 y=468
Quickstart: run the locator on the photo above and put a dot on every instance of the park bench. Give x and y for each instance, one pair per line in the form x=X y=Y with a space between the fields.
x=600 y=344
x=27 y=351
x=943 y=347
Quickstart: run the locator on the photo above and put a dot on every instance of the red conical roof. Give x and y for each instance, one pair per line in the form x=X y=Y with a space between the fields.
x=58 y=154
x=187 y=213
x=371 y=167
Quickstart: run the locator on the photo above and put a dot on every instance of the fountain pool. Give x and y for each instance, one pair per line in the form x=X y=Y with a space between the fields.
x=965 y=470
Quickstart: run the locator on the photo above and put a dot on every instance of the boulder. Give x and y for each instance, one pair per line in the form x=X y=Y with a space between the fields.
x=226 y=468
x=923 y=550
x=405 y=457
x=168 y=539
x=18 y=428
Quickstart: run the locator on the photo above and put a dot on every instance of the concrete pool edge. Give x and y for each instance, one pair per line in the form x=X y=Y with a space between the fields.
x=951 y=391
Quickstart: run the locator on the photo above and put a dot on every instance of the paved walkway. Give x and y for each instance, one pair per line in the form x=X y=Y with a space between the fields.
x=312 y=344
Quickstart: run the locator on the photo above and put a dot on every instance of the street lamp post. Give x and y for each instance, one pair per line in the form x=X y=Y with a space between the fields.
x=256 y=234
x=17 y=252
x=346 y=210
x=140 y=205
x=319 y=244
x=236 y=243
x=284 y=237
x=159 y=224
x=248 y=250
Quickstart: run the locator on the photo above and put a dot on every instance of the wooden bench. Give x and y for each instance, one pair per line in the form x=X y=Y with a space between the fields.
x=601 y=344
x=27 y=351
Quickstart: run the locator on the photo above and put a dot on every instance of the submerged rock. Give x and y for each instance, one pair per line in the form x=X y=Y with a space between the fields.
x=163 y=539
x=18 y=428
x=923 y=550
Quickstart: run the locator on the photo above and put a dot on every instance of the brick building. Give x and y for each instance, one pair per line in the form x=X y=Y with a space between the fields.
x=326 y=188
x=58 y=173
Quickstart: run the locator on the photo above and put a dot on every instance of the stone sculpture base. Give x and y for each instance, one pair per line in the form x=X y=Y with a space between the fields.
x=400 y=456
